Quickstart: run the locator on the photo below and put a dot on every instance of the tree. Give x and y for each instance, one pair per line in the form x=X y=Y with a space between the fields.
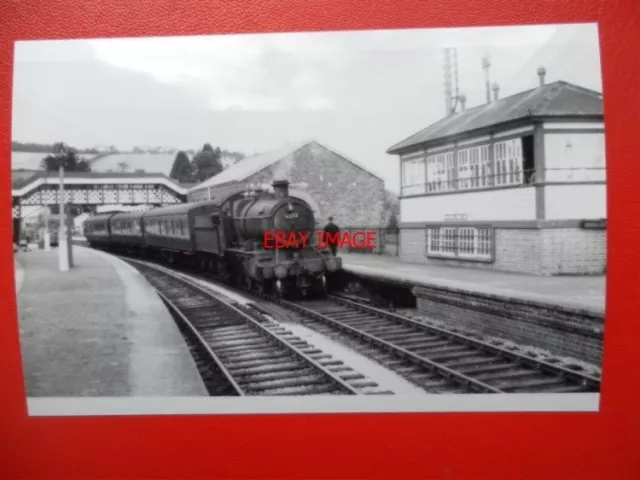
x=139 y=170
x=123 y=167
x=206 y=163
x=182 y=169
x=392 y=225
x=65 y=156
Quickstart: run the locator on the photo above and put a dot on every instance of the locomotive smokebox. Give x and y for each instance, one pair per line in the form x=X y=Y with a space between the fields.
x=281 y=188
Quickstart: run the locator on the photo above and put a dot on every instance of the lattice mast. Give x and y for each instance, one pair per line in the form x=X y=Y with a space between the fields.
x=451 y=87
x=486 y=66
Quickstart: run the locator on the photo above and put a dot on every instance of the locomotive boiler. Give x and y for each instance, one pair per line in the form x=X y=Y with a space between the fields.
x=277 y=212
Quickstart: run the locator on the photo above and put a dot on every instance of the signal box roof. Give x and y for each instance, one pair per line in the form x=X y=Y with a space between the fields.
x=556 y=100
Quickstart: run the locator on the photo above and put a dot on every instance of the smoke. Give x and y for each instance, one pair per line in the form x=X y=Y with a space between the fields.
x=283 y=168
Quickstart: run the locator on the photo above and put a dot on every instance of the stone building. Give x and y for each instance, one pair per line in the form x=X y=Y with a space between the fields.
x=332 y=184
x=516 y=184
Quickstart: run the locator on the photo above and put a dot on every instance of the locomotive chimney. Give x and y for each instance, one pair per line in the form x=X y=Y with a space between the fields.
x=281 y=188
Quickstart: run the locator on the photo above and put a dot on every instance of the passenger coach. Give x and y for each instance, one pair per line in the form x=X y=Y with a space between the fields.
x=97 y=230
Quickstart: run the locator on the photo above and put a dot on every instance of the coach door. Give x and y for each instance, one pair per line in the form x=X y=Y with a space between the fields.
x=215 y=222
x=207 y=233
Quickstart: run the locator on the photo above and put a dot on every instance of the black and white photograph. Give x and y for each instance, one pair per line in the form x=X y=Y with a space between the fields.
x=408 y=220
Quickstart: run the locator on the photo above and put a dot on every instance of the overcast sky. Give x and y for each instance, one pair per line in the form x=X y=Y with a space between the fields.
x=356 y=92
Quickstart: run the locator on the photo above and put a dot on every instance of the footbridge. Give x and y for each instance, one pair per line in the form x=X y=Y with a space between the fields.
x=94 y=189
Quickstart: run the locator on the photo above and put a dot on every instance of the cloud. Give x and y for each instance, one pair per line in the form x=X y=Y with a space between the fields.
x=62 y=92
x=357 y=92
x=307 y=71
x=235 y=72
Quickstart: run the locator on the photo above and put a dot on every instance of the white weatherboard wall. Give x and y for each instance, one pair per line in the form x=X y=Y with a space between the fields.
x=574 y=156
x=575 y=202
x=507 y=204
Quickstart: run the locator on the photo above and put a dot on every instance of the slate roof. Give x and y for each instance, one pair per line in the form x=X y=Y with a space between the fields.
x=249 y=166
x=19 y=178
x=557 y=99
x=252 y=165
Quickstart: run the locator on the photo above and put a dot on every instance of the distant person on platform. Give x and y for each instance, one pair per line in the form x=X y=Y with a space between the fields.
x=331 y=229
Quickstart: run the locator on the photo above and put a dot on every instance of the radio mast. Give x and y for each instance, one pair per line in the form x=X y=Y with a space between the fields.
x=486 y=65
x=451 y=88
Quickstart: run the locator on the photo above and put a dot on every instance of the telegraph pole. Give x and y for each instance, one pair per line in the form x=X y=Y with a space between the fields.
x=63 y=244
x=45 y=217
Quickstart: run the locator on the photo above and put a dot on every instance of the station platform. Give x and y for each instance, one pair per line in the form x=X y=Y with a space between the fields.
x=572 y=292
x=98 y=330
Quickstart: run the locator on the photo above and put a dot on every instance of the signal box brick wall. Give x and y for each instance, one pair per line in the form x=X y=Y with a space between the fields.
x=352 y=195
x=536 y=251
x=560 y=331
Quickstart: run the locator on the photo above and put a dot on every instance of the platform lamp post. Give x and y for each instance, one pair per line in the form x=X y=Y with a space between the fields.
x=44 y=222
x=63 y=243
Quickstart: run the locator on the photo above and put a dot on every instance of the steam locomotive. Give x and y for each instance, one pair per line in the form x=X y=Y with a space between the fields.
x=225 y=236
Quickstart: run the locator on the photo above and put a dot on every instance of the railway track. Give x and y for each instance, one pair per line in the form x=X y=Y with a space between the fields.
x=438 y=360
x=240 y=352
x=435 y=359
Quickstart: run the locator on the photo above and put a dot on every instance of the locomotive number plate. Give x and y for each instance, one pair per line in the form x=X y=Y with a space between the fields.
x=289 y=216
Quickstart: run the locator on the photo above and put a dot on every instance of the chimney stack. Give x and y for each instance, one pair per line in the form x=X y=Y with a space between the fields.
x=541 y=73
x=281 y=188
x=463 y=100
x=496 y=91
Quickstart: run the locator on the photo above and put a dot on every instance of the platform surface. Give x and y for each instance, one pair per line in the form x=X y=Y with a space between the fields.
x=98 y=330
x=577 y=292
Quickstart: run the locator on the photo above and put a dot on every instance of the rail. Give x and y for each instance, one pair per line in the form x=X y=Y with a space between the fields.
x=239 y=316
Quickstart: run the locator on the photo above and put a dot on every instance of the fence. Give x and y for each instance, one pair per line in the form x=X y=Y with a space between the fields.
x=383 y=240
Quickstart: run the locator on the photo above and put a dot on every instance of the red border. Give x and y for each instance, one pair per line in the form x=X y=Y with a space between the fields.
x=395 y=446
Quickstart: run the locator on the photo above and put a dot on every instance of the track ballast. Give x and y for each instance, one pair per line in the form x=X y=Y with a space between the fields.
x=243 y=353
x=437 y=359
